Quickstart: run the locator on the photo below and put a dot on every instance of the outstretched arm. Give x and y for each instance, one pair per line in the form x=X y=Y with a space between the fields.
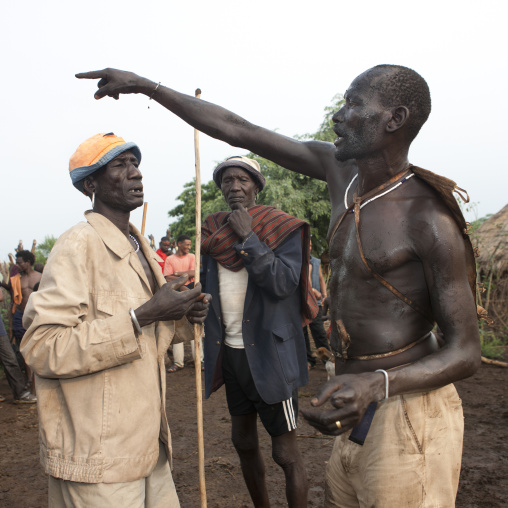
x=311 y=158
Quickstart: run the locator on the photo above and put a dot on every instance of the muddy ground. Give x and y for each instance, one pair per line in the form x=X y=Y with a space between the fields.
x=483 y=483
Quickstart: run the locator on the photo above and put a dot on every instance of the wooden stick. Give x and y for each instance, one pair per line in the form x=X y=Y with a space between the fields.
x=494 y=362
x=198 y=328
x=144 y=219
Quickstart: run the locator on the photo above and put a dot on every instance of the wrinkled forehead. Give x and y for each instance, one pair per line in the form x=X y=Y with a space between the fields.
x=236 y=171
x=128 y=154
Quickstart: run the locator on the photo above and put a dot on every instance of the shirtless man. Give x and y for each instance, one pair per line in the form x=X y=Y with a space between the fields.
x=29 y=277
x=410 y=237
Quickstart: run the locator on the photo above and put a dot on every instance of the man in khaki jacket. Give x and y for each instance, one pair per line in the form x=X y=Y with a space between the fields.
x=97 y=331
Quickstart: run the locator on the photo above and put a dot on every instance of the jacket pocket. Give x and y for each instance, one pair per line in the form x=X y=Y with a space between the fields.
x=284 y=338
x=106 y=305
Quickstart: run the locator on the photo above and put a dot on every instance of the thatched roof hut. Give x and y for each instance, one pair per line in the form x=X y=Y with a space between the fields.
x=493 y=244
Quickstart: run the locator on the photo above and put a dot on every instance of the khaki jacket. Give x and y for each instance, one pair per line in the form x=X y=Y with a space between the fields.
x=101 y=389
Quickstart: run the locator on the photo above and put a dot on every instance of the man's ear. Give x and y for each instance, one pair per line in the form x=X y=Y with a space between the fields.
x=400 y=116
x=89 y=186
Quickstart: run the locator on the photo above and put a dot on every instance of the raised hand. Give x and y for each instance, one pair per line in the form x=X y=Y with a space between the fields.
x=113 y=82
x=240 y=220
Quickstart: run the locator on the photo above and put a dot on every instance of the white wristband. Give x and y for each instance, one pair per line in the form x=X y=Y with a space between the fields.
x=386 y=383
x=135 y=321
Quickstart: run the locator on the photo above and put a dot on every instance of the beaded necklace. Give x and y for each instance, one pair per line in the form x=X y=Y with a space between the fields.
x=375 y=197
x=135 y=241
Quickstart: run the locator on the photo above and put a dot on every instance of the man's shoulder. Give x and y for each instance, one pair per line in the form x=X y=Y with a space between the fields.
x=429 y=220
x=36 y=276
x=72 y=246
x=428 y=203
x=75 y=235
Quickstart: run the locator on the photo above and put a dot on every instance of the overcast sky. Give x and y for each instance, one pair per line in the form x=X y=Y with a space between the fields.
x=277 y=63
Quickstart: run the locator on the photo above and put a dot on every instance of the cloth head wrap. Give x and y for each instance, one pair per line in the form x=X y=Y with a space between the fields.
x=95 y=153
x=249 y=165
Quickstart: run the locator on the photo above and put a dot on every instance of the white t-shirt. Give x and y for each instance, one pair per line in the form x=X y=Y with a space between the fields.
x=232 y=290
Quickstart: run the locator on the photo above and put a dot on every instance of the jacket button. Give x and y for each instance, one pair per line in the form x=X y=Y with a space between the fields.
x=251 y=345
x=218 y=343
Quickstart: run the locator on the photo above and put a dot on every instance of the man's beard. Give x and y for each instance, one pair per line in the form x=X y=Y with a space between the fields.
x=355 y=145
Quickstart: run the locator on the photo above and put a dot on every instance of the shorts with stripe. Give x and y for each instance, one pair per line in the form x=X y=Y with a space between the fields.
x=243 y=397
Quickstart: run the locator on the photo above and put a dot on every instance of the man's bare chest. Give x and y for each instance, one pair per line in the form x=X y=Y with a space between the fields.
x=381 y=238
x=29 y=281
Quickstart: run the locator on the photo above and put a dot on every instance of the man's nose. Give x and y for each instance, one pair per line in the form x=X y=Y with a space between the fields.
x=337 y=116
x=134 y=172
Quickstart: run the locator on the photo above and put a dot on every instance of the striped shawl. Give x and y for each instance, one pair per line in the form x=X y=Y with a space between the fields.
x=272 y=227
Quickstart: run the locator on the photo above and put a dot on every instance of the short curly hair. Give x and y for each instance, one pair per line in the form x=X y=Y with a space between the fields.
x=26 y=255
x=182 y=238
x=401 y=86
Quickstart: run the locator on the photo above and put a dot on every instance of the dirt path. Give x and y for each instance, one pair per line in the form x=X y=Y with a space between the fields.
x=484 y=478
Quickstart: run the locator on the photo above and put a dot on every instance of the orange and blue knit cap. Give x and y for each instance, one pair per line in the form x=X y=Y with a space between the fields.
x=95 y=153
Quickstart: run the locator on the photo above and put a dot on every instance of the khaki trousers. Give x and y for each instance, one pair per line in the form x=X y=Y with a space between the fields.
x=154 y=491
x=411 y=456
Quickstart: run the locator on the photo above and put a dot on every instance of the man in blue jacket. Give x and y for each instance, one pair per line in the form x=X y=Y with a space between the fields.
x=255 y=266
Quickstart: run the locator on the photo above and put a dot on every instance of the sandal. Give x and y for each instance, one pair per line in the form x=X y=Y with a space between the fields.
x=174 y=368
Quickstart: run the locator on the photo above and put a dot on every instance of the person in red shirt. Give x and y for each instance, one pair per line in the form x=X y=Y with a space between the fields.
x=164 y=250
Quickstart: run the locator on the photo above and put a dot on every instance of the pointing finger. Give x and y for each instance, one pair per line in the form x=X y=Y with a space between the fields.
x=91 y=74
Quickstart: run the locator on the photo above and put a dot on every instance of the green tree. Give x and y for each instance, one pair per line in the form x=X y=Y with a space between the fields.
x=43 y=249
x=185 y=213
x=298 y=195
